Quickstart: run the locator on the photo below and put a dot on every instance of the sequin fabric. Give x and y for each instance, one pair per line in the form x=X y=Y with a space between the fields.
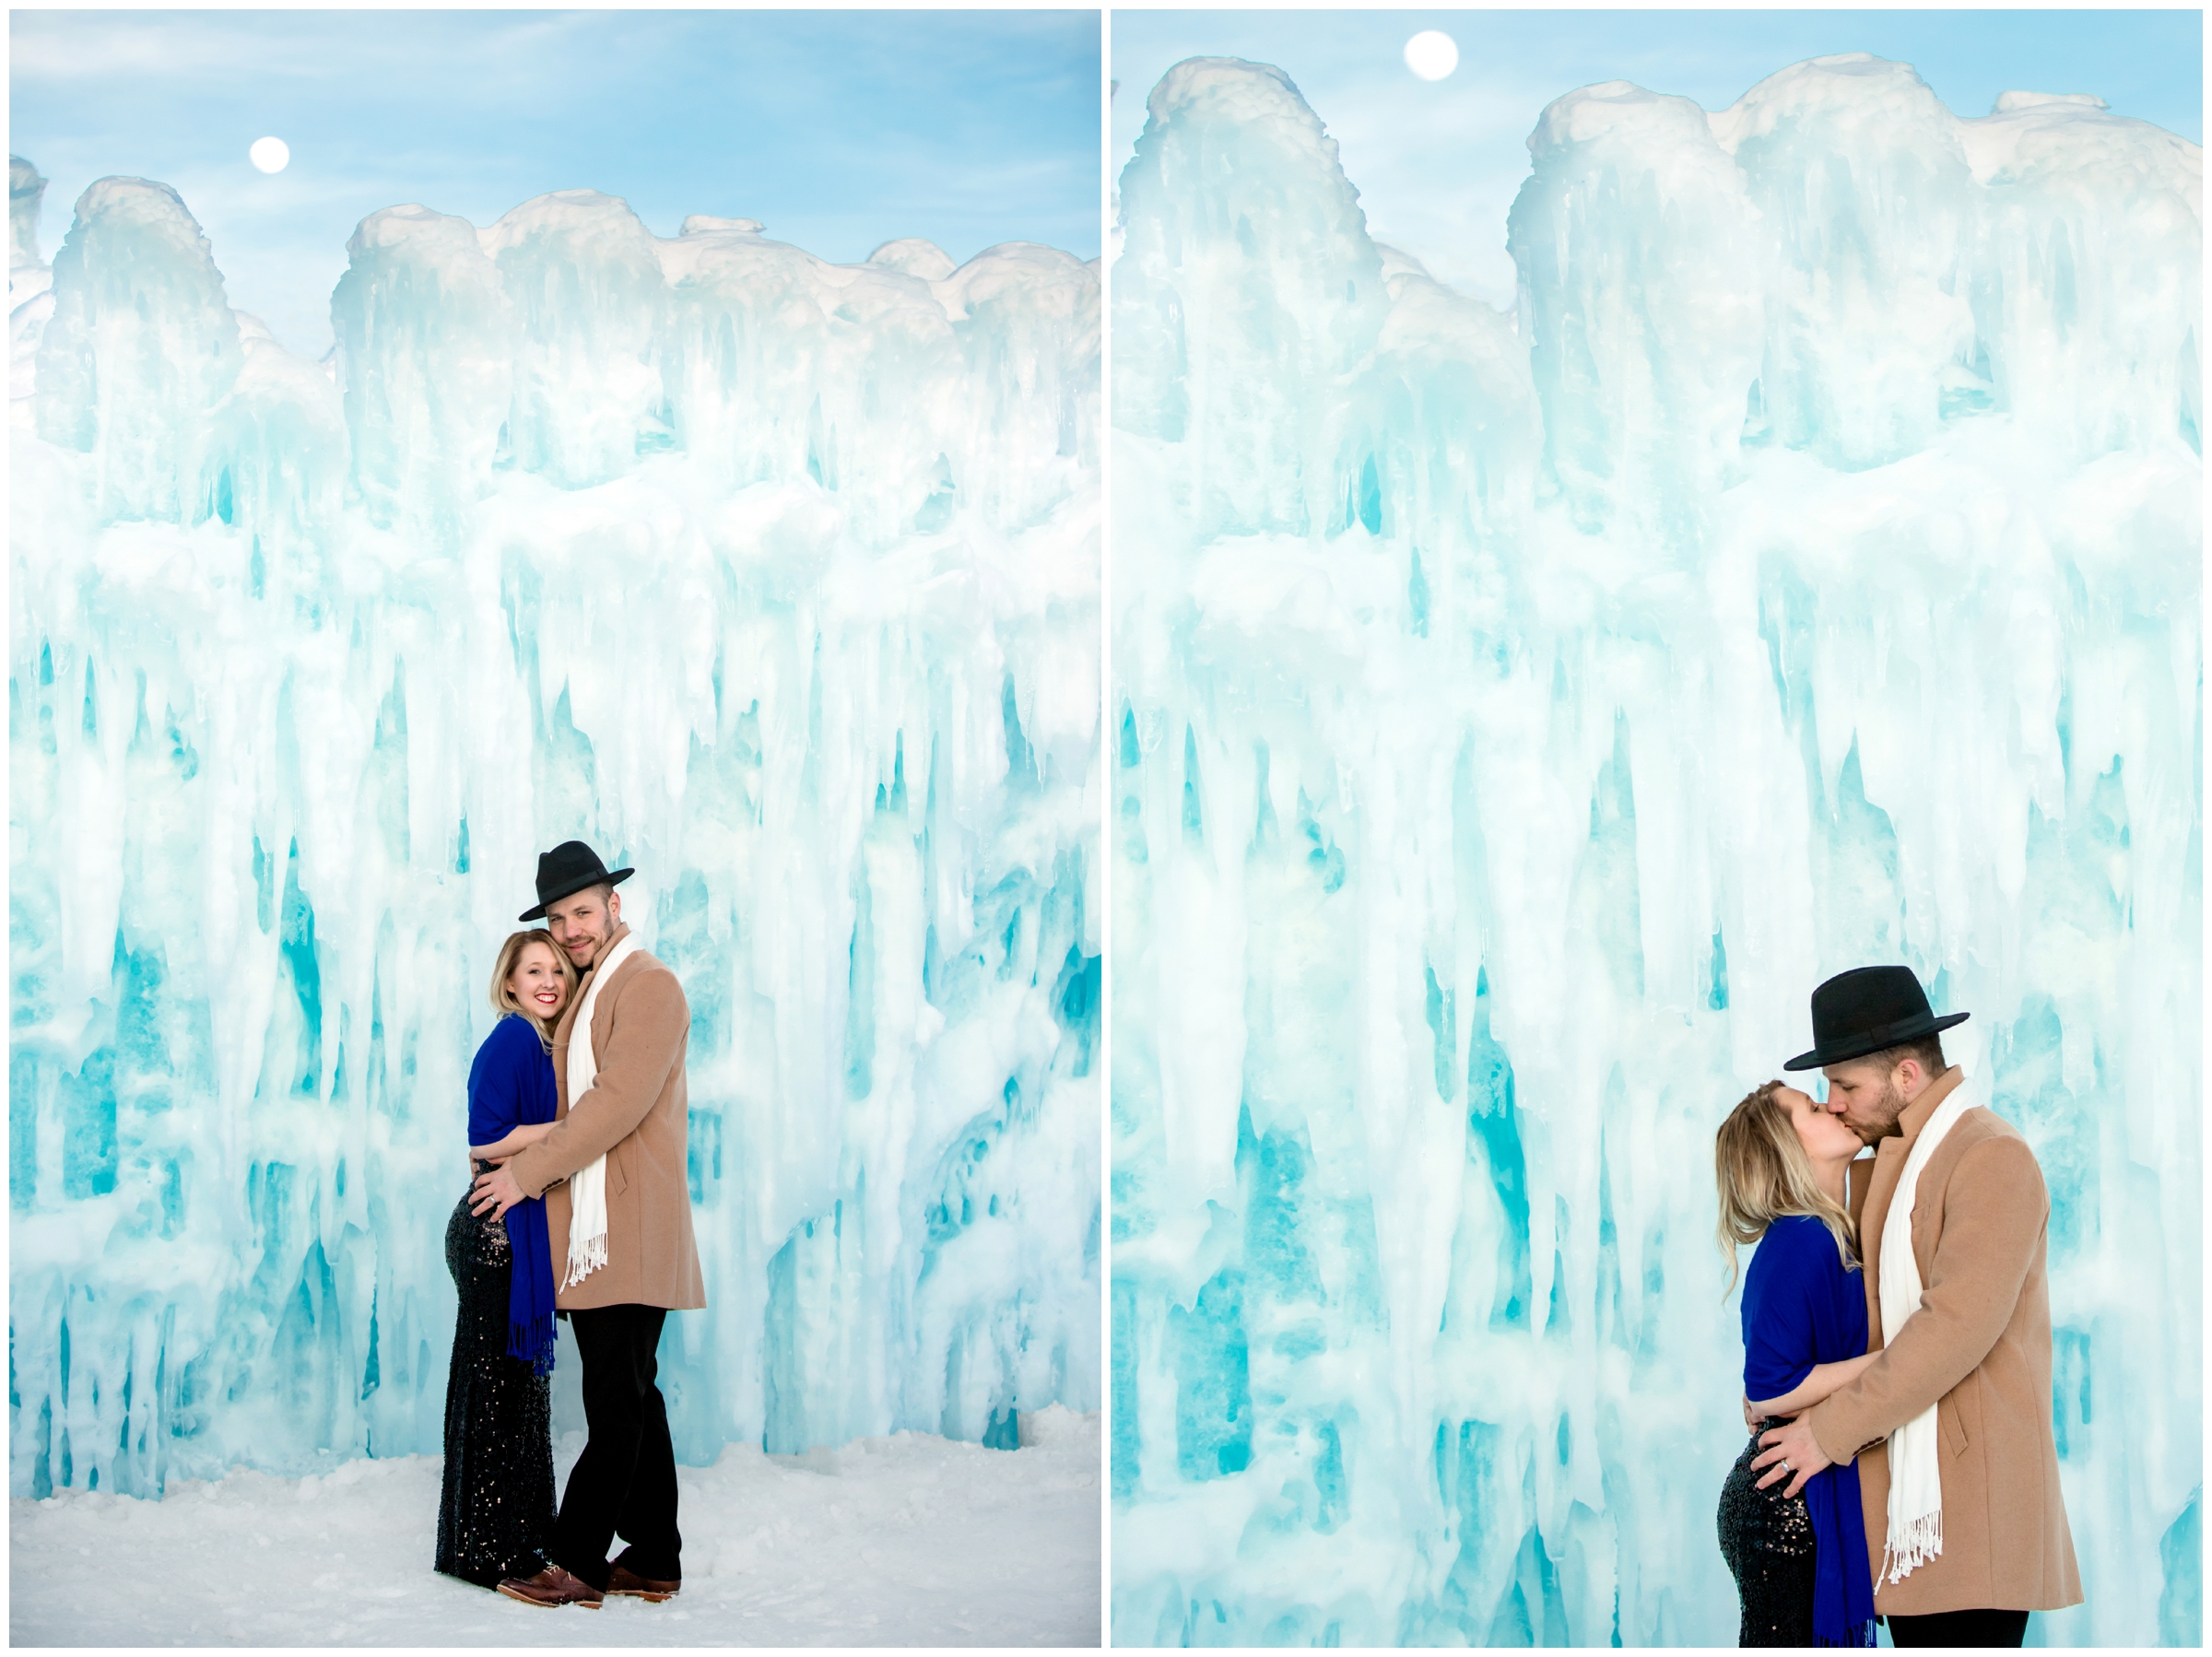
x=1767 y=1538
x=495 y=1515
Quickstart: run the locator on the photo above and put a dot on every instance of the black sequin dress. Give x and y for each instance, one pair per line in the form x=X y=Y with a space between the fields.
x=495 y=1516
x=1767 y=1538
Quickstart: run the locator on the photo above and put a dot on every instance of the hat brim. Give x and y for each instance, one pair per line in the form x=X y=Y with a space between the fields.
x=612 y=877
x=1858 y=1046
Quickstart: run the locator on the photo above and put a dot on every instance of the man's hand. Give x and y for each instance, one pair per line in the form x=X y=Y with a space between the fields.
x=1792 y=1454
x=1751 y=1417
x=495 y=1193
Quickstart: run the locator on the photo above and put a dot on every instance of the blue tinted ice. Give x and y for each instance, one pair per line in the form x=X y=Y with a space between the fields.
x=1516 y=714
x=774 y=578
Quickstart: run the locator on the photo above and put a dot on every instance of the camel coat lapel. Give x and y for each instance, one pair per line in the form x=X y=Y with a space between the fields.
x=1890 y=1157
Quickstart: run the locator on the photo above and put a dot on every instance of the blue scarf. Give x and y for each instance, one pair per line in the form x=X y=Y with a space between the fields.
x=510 y=1086
x=530 y=1286
x=1802 y=1308
x=1842 y=1599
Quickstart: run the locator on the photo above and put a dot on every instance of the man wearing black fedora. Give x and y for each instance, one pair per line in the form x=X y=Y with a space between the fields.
x=618 y=1218
x=1950 y=1423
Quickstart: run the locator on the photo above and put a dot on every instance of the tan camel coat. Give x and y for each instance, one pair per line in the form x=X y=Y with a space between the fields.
x=637 y=1112
x=1979 y=1348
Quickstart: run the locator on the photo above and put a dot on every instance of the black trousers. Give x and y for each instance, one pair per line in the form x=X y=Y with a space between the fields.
x=1960 y=1629
x=624 y=1484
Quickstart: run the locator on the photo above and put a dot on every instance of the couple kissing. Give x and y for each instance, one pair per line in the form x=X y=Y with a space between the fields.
x=578 y=1207
x=1895 y=1316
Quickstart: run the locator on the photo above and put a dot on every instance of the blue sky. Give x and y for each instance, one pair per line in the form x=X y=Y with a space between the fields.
x=1438 y=163
x=838 y=130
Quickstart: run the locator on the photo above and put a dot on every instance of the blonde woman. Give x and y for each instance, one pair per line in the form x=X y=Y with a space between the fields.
x=495 y=1517
x=1800 y=1562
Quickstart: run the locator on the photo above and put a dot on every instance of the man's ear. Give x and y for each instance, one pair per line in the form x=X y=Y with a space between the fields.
x=614 y=907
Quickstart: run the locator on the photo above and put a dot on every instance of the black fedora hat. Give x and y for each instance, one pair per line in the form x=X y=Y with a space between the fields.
x=567 y=869
x=1866 y=1010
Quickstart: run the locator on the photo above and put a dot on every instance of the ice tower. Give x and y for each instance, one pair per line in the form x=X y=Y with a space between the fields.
x=775 y=578
x=1515 y=715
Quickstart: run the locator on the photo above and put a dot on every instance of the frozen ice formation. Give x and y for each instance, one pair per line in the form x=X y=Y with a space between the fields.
x=29 y=284
x=775 y=578
x=1515 y=715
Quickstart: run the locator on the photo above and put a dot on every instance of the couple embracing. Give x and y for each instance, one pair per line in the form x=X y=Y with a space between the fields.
x=1895 y=1314
x=580 y=1208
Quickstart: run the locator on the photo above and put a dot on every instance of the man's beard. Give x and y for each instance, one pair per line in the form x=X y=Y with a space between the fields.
x=1888 y=1108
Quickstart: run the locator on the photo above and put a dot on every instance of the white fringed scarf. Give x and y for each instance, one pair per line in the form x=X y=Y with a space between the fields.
x=587 y=1186
x=1915 y=1472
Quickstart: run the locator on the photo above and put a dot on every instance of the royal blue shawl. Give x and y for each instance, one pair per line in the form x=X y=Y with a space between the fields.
x=510 y=1086
x=1801 y=1308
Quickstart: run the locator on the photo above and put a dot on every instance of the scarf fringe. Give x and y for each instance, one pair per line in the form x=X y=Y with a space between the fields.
x=1920 y=1540
x=533 y=1343
x=584 y=1261
x=1859 y=1634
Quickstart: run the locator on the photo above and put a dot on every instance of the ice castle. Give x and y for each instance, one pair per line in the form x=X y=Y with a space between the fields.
x=775 y=578
x=1516 y=714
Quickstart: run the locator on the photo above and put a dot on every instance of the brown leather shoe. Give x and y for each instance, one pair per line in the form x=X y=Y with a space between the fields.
x=551 y=1586
x=626 y=1580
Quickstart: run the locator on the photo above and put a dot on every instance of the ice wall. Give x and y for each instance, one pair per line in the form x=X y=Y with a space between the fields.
x=777 y=579
x=1515 y=716
x=29 y=284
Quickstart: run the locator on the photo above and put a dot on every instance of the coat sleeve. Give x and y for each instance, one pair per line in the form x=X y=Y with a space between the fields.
x=645 y=1038
x=1995 y=1208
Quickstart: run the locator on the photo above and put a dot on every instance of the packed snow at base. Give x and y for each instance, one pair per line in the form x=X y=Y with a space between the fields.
x=1515 y=716
x=774 y=578
x=909 y=1539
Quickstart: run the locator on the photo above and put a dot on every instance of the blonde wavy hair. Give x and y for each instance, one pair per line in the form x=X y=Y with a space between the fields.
x=502 y=999
x=1763 y=1173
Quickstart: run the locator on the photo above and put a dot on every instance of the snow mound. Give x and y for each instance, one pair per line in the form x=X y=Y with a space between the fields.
x=905 y=1540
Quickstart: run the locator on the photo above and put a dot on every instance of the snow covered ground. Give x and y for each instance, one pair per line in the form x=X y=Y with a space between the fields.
x=908 y=1540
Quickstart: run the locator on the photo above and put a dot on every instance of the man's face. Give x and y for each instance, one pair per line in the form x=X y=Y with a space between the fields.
x=1869 y=1098
x=583 y=924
